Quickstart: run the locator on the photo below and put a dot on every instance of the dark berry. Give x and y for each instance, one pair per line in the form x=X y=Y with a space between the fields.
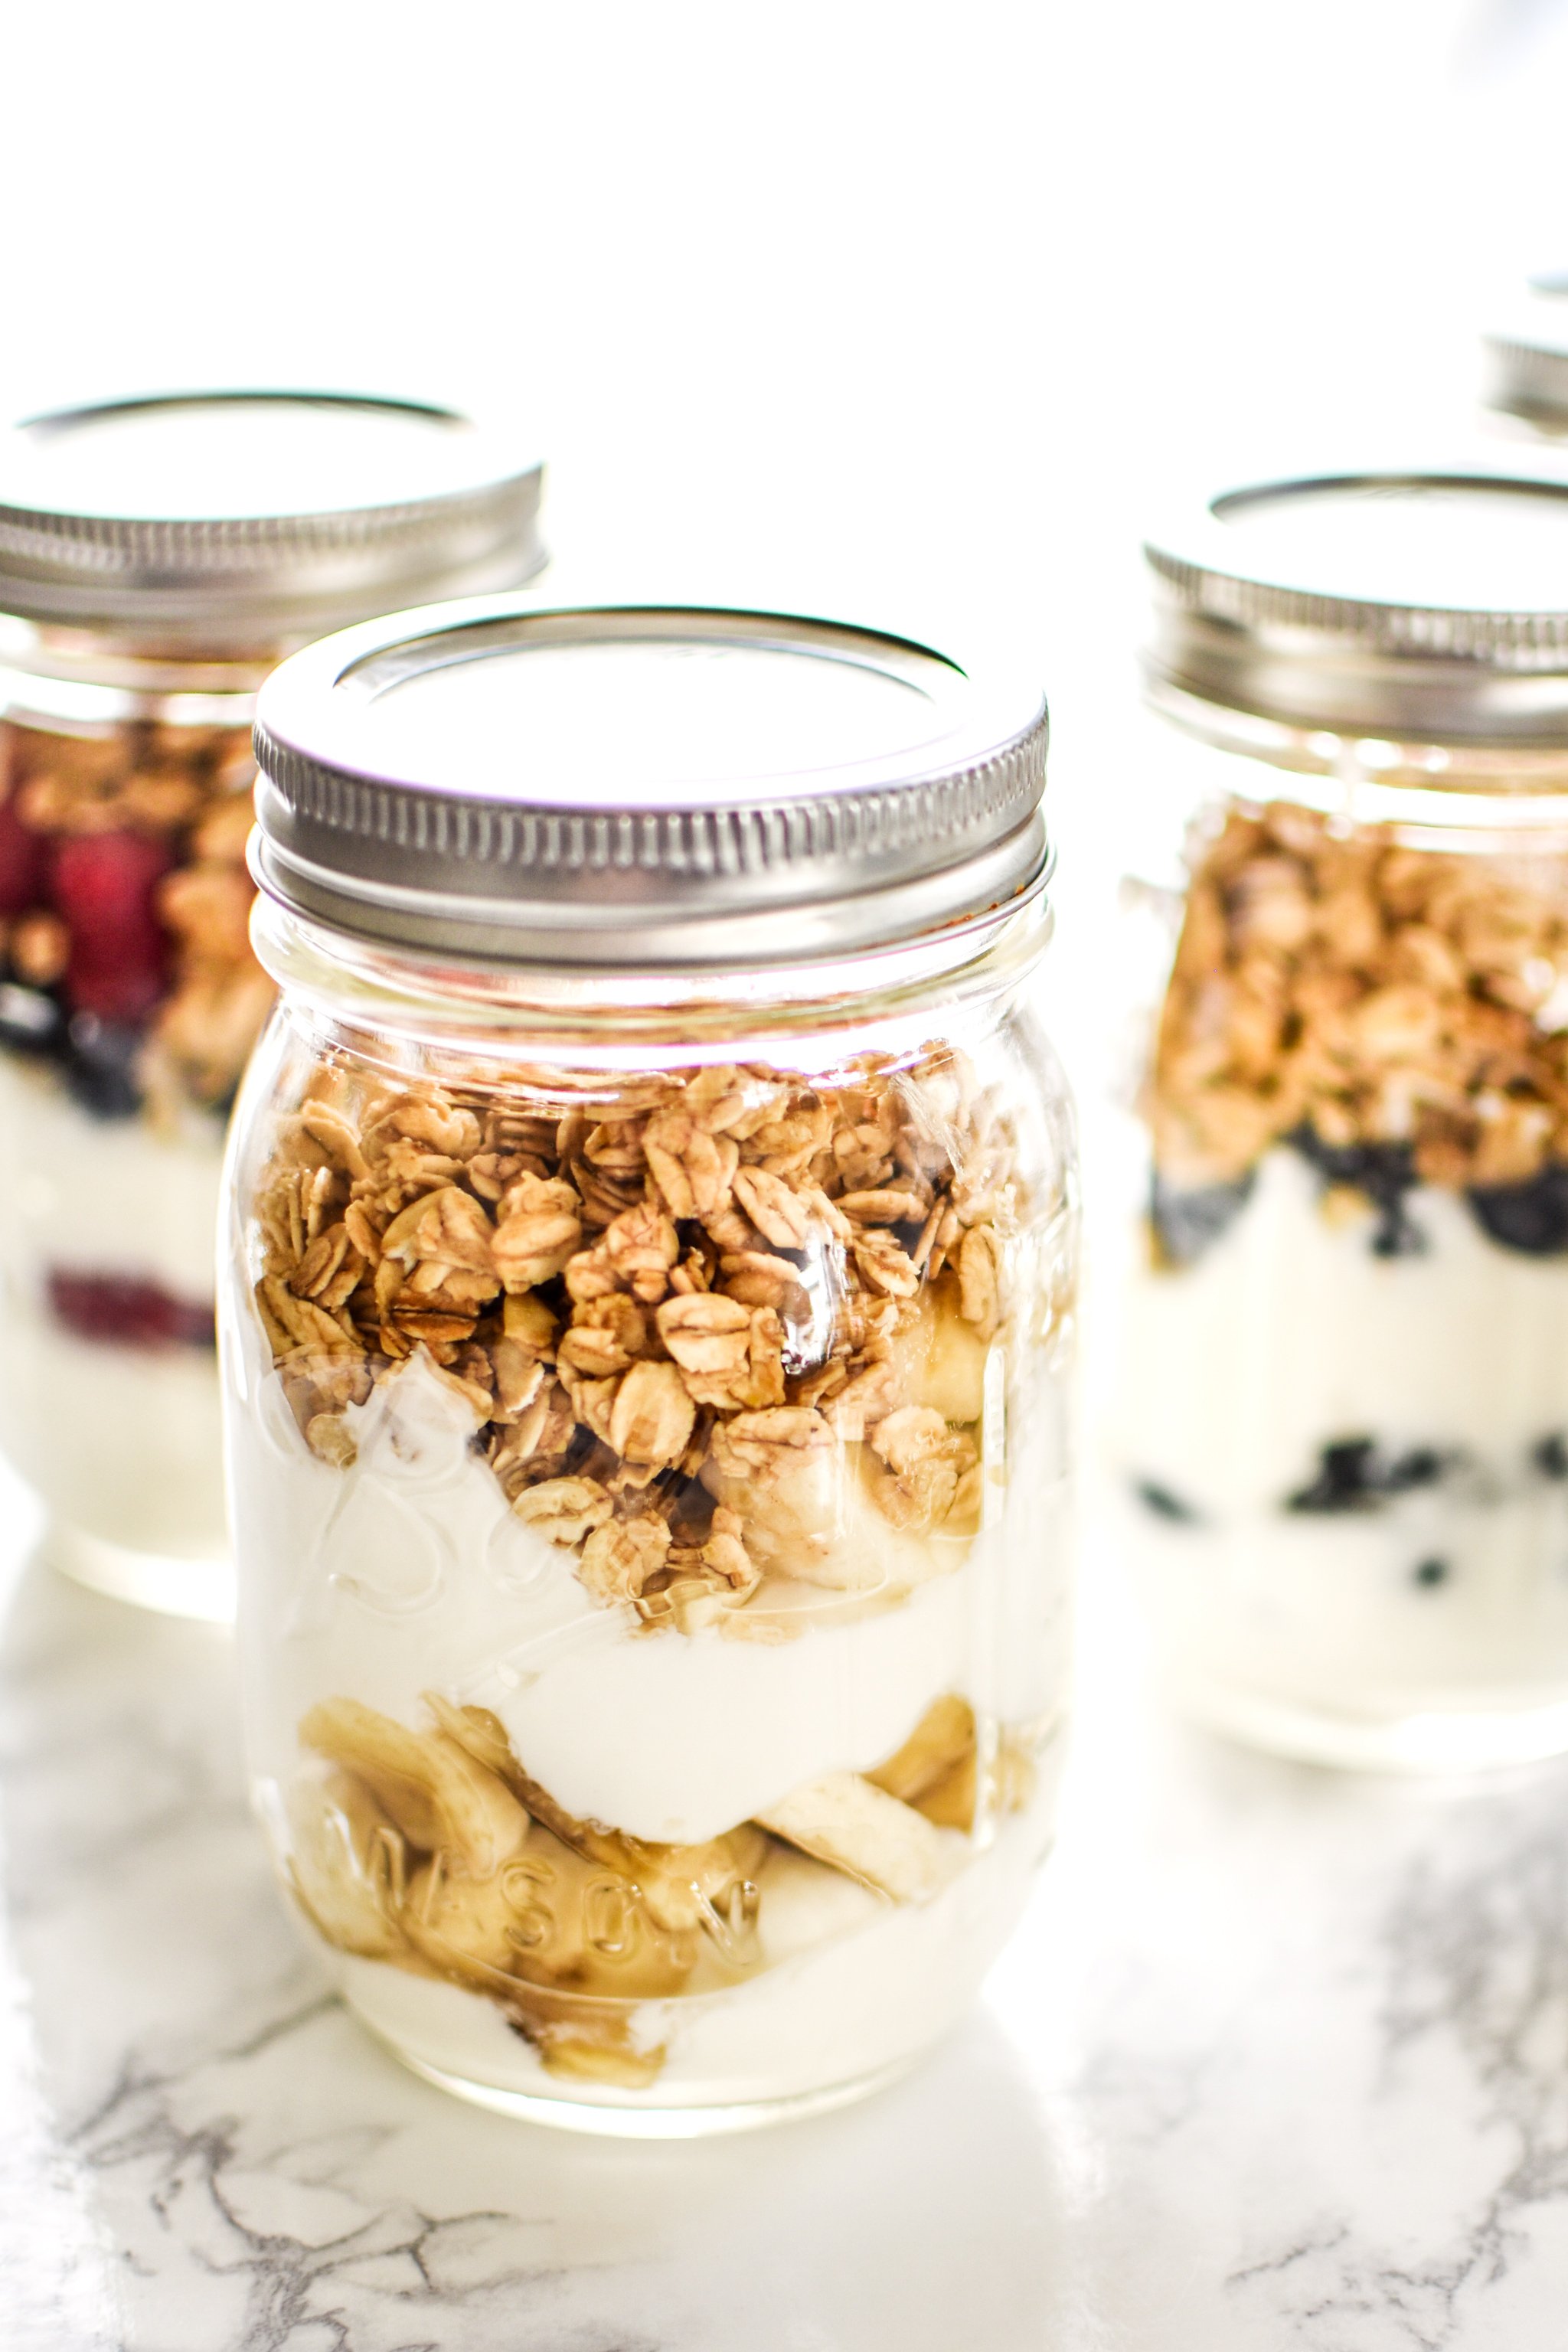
x=121 y=1311
x=1188 y=1223
x=101 y=1066
x=1345 y=1479
x=1531 y=1217
x=1550 y=1456
x=1164 y=1503
x=1430 y=1573
x=1420 y=1467
x=30 y=1020
x=22 y=863
x=1385 y=1172
x=105 y=885
x=1352 y=1475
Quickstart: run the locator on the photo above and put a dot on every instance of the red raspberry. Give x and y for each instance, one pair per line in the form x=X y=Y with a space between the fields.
x=120 y=1310
x=21 y=862
x=105 y=885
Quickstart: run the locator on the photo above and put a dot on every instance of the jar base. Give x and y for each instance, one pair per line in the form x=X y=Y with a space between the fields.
x=1434 y=1741
x=202 y=1588
x=646 y=2123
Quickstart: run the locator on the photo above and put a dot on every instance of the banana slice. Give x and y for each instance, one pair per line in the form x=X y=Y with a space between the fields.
x=935 y=1770
x=585 y=2041
x=548 y=1919
x=943 y=1737
x=477 y=1729
x=464 y=1927
x=855 y=1827
x=948 y=1802
x=683 y=1887
x=341 y=1865
x=434 y=1790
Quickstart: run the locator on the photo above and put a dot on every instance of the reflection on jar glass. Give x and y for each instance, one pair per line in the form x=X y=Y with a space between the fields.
x=1526 y=356
x=648 y=1347
x=1342 y=1429
x=155 y=558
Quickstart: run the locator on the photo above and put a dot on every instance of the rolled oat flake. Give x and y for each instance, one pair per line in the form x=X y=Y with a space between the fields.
x=644 y=786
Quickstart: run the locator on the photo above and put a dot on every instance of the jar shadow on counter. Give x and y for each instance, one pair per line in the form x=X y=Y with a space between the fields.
x=225 y=2130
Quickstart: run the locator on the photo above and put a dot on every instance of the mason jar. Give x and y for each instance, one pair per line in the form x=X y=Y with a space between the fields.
x=156 y=556
x=1526 y=356
x=1340 y=1430
x=646 y=1329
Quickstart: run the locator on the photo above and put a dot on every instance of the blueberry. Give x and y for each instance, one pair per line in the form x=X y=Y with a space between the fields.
x=101 y=1072
x=1385 y=1172
x=1420 y=1467
x=1531 y=1217
x=1347 y=1479
x=1164 y=1503
x=1187 y=1222
x=1550 y=1456
x=1353 y=1477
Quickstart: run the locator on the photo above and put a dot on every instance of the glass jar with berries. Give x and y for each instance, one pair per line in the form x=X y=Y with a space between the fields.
x=647 y=1320
x=1342 y=1423
x=156 y=556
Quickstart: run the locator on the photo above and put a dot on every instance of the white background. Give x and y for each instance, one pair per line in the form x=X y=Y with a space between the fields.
x=911 y=312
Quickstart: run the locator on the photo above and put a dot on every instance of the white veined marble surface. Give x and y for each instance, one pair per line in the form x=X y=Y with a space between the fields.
x=1279 y=2059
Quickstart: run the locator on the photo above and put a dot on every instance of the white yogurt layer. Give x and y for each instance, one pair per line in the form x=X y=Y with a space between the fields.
x=103 y=1196
x=126 y=1444
x=1288 y=1335
x=868 y=1986
x=408 y=1573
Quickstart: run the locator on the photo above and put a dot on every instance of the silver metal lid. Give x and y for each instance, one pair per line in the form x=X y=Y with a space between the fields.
x=1527 y=357
x=662 y=787
x=1429 y=603
x=209 y=517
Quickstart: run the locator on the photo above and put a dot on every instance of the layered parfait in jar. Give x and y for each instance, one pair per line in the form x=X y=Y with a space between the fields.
x=1342 y=1433
x=156 y=557
x=129 y=1003
x=649 y=1472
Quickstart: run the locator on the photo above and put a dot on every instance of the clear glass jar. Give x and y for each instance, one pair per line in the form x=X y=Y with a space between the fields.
x=130 y=657
x=646 y=1376
x=1340 y=1431
x=1526 y=359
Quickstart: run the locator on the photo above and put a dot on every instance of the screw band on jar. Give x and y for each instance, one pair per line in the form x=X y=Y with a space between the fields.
x=447 y=847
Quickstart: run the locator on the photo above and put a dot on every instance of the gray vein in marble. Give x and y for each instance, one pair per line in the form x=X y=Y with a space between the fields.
x=1277 y=2063
x=1471 y=2026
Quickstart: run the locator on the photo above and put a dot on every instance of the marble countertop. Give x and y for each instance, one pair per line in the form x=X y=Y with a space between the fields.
x=1279 y=2059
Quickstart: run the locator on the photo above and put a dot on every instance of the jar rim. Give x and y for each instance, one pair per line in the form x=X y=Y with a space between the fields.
x=225 y=518
x=644 y=786
x=1419 y=599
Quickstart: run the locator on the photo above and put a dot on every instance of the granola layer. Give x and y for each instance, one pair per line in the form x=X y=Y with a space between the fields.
x=1395 y=1014
x=712 y=1324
